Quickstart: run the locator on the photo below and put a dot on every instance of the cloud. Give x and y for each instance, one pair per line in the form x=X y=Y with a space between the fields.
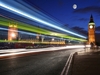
x=80 y=30
x=97 y=37
x=66 y=25
x=77 y=28
x=95 y=9
x=78 y=18
x=97 y=28
x=82 y=19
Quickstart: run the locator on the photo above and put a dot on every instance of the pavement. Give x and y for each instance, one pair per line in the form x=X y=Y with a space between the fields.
x=86 y=62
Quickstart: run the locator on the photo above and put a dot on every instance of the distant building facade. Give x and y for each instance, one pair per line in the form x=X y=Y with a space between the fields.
x=12 y=32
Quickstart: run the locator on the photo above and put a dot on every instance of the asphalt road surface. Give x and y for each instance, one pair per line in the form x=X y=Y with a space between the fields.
x=45 y=63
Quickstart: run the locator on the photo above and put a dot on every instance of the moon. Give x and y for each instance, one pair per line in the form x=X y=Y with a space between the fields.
x=74 y=6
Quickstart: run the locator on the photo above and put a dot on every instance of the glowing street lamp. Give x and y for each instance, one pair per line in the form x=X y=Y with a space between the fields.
x=53 y=39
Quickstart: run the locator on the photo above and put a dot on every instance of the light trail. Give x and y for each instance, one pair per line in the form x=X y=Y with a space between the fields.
x=33 y=34
x=27 y=27
x=20 y=31
x=11 y=52
x=32 y=17
x=28 y=33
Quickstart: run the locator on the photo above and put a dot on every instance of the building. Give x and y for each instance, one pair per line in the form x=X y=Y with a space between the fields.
x=91 y=31
x=12 y=32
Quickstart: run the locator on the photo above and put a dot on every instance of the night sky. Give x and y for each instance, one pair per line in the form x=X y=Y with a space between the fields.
x=62 y=11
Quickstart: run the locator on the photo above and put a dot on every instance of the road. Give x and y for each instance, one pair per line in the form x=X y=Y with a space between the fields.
x=42 y=63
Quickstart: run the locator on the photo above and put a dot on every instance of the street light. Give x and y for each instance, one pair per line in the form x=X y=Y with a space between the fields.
x=52 y=39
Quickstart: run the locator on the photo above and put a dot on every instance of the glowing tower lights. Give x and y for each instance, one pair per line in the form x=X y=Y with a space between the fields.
x=91 y=31
x=37 y=19
x=12 y=32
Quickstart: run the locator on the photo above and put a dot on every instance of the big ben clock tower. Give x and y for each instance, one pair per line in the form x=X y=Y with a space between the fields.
x=91 y=31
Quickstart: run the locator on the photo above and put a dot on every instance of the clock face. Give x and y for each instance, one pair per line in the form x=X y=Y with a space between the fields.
x=91 y=27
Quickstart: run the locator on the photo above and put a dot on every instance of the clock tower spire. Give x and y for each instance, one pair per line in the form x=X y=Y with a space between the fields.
x=91 y=31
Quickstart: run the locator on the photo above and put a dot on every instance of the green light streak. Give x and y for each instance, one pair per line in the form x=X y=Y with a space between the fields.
x=31 y=28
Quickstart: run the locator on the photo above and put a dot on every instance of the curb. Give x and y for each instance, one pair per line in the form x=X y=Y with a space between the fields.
x=66 y=68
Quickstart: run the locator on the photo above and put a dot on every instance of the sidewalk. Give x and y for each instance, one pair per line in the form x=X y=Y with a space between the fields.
x=86 y=63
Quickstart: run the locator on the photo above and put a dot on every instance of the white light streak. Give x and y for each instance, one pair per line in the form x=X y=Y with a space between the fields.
x=10 y=52
x=32 y=17
x=28 y=33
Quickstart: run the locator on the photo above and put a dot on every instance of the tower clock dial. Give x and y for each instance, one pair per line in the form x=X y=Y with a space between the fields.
x=91 y=27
